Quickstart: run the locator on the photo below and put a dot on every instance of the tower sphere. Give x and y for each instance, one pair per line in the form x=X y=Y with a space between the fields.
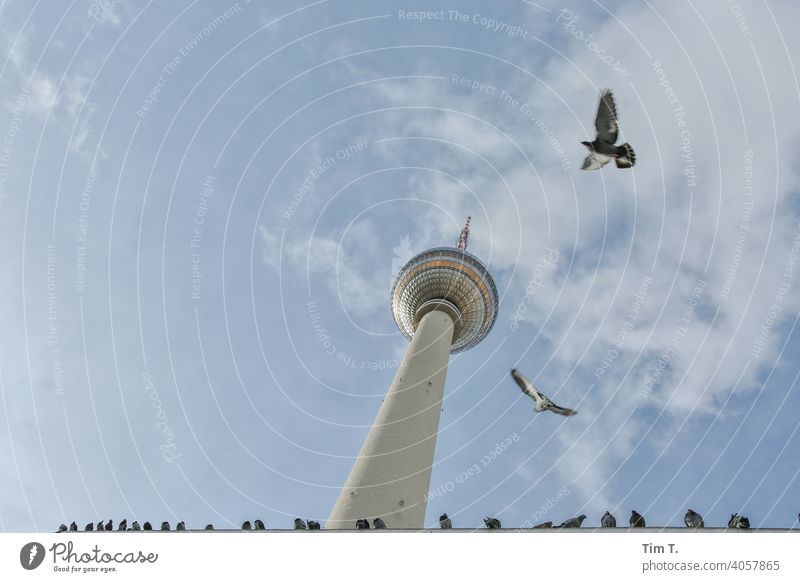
x=451 y=280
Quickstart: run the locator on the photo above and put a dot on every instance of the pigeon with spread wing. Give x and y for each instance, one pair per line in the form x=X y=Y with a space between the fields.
x=542 y=401
x=602 y=150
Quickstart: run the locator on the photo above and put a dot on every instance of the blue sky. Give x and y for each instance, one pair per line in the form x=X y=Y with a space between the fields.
x=202 y=206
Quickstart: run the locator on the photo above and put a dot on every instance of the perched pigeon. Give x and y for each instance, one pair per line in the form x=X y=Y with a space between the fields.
x=246 y=525
x=164 y=526
x=110 y=525
x=258 y=524
x=135 y=526
x=573 y=522
x=738 y=522
x=73 y=526
x=123 y=525
x=313 y=524
x=62 y=527
x=299 y=524
x=637 y=520
x=209 y=526
x=602 y=150
x=362 y=524
x=492 y=522
x=608 y=520
x=444 y=522
x=542 y=401
x=89 y=527
x=693 y=519
x=181 y=526
x=147 y=526
x=378 y=523
x=100 y=526
x=545 y=525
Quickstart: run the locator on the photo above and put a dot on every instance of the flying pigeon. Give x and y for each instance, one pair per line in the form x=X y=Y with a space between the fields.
x=573 y=522
x=246 y=525
x=89 y=527
x=147 y=526
x=362 y=524
x=181 y=526
x=637 y=520
x=492 y=522
x=258 y=524
x=135 y=526
x=313 y=524
x=299 y=524
x=444 y=522
x=542 y=401
x=608 y=520
x=123 y=525
x=73 y=526
x=209 y=526
x=693 y=519
x=164 y=526
x=738 y=522
x=602 y=150
x=545 y=525
x=110 y=525
x=378 y=523
x=62 y=527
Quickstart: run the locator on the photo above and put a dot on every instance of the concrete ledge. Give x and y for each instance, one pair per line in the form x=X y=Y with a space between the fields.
x=609 y=530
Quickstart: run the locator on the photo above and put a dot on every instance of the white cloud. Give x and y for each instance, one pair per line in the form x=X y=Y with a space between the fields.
x=348 y=265
x=675 y=217
x=43 y=95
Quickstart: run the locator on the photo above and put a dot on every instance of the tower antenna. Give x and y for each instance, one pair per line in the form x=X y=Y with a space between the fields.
x=462 y=240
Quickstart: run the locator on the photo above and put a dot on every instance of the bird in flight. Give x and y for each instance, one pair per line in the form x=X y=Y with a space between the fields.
x=602 y=150
x=542 y=401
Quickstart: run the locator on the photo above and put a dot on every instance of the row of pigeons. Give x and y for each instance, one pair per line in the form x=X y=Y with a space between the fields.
x=165 y=526
x=692 y=519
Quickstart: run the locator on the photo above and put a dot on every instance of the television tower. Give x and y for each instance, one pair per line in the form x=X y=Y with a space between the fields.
x=444 y=301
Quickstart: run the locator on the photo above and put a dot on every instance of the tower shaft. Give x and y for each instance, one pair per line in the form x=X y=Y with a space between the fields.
x=391 y=476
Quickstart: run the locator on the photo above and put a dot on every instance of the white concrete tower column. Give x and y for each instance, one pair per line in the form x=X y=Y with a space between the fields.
x=392 y=473
x=445 y=301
